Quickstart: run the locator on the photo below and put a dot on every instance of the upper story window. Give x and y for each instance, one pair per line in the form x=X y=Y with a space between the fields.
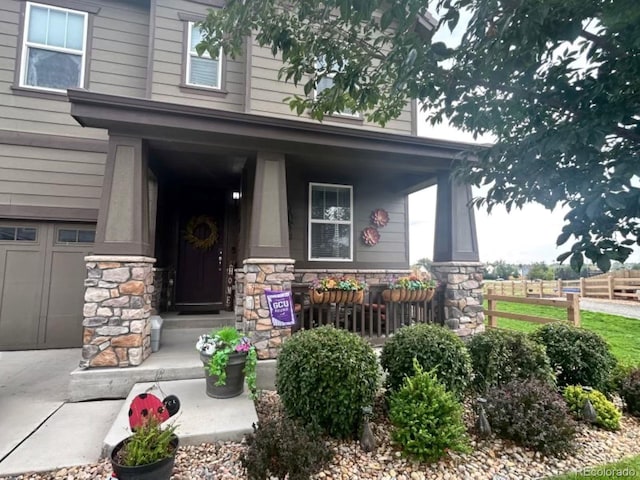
x=202 y=71
x=54 y=48
x=327 y=82
x=330 y=222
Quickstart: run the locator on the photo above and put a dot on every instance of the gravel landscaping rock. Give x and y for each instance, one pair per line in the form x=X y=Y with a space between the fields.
x=492 y=459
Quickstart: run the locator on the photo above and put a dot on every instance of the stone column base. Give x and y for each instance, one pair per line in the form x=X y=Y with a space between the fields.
x=262 y=274
x=117 y=329
x=462 y=282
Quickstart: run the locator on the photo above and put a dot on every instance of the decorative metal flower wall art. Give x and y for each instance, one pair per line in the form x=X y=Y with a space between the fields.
x=379 y=218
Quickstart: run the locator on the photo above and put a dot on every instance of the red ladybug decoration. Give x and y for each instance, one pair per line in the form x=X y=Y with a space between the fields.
x=147 y=405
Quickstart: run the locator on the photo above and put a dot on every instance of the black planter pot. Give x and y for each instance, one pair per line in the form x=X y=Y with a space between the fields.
x=234 y=384
x=160 y=470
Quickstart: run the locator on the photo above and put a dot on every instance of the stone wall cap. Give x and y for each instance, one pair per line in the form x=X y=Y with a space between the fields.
x=350 y=270
x=287 y=261
x=119 y=258
x=457 y=264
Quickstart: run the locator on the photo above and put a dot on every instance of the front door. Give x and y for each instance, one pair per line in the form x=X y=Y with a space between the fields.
x=200 y=266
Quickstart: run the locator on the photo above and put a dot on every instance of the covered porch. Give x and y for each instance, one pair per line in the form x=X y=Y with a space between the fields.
x=203 y=210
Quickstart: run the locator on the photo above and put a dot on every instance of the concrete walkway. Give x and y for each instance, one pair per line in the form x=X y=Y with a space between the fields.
x=38 y=430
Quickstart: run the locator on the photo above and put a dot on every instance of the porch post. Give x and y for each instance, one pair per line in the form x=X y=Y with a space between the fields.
x=119 y=283
x=456 y=262
x=268 y=266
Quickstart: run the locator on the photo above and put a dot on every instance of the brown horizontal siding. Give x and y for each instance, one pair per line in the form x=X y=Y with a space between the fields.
x=168 y=58
x=369 y=194
x=53 y=177
x=120 y=38
x=48 y=201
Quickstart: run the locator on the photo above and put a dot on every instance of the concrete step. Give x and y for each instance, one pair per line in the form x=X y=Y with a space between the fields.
x=206 y=322
x=200 y=419
x=177 y=359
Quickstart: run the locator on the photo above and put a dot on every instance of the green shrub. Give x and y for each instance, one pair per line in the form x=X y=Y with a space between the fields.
x=280 y=446
x=579 y=357
x=427 y=418
x=325 y=376
x=434 y=347
x=617 y=376
x=533 y=414
x=499 y=356
x=607 y=415
x=630 y=391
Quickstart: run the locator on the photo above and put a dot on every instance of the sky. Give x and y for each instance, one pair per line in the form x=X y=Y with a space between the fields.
x=522 y=236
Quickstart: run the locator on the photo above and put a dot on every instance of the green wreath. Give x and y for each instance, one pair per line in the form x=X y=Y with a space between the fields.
x=197 y=242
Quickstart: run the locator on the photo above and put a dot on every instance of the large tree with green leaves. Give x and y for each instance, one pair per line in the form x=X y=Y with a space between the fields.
x=555 y=82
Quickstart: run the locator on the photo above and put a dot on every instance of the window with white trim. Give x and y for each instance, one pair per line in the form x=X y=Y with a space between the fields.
x=54 y=48
x=202 y=71
x=327 y=82
x=330 y=222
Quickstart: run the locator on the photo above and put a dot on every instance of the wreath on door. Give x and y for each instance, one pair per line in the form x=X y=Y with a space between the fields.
x=198 y=242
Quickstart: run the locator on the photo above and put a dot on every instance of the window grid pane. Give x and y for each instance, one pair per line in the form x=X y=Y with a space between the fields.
x=86 y=236
x=26 y=234
x=49 y=69
x=330 y=241
x=7 y=233
x=204 y=71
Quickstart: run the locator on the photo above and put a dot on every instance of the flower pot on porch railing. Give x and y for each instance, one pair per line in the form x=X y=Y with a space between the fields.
x=336 y=296
x=407 y=295
x=234 y=384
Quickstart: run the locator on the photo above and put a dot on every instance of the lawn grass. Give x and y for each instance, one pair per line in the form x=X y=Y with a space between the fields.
x=622 y=333
x=628 y=468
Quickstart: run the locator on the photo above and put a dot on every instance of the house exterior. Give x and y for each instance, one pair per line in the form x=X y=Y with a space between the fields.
x=137 y=177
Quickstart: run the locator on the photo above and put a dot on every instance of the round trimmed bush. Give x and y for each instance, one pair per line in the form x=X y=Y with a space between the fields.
x=607 y=415
x=533 y=414
x=427 y=418
x=499 y=356
x=578 y=356
x=436 y=348
x=325 y=376
x=630 y=391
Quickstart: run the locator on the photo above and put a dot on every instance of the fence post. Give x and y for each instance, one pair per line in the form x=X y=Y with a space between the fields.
x=541 y=288
x=524 y=288
x=493 y=321
x=610 y=286
x=513 y=288
x=573 y=309
x=559 y=288
x=583 y=287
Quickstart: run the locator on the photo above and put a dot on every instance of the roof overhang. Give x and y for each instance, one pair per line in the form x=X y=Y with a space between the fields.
x=154 y=120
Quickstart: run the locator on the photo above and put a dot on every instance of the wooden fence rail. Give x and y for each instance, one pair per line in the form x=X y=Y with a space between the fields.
x=572 y=304
x=609 y=287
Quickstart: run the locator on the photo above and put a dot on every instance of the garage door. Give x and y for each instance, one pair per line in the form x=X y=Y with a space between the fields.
x=42 y=273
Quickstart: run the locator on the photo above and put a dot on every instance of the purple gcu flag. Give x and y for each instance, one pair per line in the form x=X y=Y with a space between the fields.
x=280 y=308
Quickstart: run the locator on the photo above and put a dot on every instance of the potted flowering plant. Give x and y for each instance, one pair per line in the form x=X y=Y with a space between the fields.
x=410 y=288
x=228 y=359
x=337 y=290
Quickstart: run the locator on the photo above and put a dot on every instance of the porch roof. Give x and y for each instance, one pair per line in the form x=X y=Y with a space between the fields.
x=155 y=120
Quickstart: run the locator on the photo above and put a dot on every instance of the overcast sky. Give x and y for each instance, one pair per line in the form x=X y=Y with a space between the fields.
x=522 y=236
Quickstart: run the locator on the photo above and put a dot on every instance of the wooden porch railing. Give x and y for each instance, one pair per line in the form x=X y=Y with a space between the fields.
x=373 y=319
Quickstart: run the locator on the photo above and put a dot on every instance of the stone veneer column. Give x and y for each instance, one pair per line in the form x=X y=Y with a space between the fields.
x=117 y=329
x=262 y=274
x=462 y=307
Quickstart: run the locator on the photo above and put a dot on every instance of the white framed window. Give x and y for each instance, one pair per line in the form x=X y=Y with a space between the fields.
x=202 y=71
x=327 y=82
x=54 y=48
x=330 y=222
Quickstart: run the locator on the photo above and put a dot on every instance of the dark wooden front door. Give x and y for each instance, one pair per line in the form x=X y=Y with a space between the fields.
x=200 y=267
